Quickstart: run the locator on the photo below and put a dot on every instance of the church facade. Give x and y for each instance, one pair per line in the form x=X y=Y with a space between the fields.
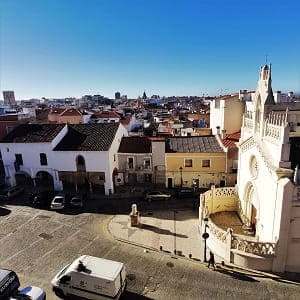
x=267 y=195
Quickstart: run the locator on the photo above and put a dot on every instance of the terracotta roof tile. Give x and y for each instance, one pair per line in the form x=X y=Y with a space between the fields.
x=231 y=139
x=57 y=110
x=135 y=144
x=106 y=115
x=71 y=112
x=126 y=120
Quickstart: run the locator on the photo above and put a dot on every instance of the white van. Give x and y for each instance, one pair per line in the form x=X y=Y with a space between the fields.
x=92 y=278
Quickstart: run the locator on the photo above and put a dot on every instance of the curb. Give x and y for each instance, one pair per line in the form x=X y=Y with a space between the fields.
x=177 y=256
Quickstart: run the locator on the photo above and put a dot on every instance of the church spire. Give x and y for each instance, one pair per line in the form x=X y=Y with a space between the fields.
x=144 y=95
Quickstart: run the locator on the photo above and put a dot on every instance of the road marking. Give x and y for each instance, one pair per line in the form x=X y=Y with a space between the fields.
x=104 y=226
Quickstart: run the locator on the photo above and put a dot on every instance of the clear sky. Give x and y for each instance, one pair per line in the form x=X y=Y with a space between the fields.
x=62 y=48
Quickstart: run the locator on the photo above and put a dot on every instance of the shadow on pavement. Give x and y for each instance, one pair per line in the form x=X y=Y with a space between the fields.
x=162 y=231
x=4 y=211
x=237 y=275
x=111 y=205
x=131 y=295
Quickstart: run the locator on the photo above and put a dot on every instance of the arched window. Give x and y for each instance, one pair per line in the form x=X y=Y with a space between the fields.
x=43 y=159
x=80 y=163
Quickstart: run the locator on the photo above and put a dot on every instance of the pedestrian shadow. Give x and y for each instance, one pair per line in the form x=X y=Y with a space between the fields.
x=4 y=211
x=162 y=231
x=237 y=275
x=131 y=295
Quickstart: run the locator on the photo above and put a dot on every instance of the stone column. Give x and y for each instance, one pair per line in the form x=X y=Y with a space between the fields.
x=228 y=245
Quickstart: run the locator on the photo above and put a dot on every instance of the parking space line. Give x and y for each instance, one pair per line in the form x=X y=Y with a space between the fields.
x=104 y=226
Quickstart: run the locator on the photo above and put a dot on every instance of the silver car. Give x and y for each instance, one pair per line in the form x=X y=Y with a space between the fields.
x=58 y=202
x=157 y=195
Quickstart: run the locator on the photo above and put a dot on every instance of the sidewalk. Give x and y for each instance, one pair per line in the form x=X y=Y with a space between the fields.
x=169 y=231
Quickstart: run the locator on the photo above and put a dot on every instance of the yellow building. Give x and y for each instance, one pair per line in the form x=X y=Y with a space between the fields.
x=195 y=161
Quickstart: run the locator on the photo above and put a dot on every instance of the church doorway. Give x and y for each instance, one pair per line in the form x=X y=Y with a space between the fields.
x=253 y=218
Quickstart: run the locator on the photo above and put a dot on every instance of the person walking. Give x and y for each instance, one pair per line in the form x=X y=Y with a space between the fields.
x=211 y=260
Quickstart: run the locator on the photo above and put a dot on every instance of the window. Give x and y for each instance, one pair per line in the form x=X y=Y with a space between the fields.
x=19 y=159
x=205 y=163
x=147 y=163
x=188 y=163
x=43 y=159
x=130 y=162
x=80 y=164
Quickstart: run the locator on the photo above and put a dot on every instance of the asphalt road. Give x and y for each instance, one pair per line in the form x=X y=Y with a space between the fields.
x=37 y=243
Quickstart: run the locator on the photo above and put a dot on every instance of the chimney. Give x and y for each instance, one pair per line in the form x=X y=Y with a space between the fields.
x=218 y=129
x=223 y=135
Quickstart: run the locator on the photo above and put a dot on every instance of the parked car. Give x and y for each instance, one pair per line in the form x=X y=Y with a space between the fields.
x=186 y=193
x=9 y=285
x=58 y=202
x=42 y=199
x=30 y=292
x=157 y=195
x=11 y=192
x=76 y=201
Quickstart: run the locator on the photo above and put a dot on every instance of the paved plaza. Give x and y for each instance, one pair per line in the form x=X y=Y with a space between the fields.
x=172 y=231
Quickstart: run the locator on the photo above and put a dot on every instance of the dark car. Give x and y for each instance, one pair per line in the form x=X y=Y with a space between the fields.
x=76 y=201
x=186 y=193
x=42 y=199
x=11 y=192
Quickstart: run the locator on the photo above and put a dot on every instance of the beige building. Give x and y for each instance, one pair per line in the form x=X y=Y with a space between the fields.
x=196 y=161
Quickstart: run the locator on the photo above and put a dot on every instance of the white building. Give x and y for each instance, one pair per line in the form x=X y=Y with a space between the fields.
x=267 y=195
x=63 y=155
x=220 y=110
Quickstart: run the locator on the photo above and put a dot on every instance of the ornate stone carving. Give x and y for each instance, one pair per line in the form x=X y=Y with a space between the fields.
x=217 y=232
x=258 y=248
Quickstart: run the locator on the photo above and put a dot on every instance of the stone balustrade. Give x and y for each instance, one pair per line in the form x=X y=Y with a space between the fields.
x=219 y=199
x=223 y=242
x=258 y=248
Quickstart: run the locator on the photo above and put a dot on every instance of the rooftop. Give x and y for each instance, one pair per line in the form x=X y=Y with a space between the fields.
x=135 y=144
x=88 y=137
x=33 y=133
x=194 y=144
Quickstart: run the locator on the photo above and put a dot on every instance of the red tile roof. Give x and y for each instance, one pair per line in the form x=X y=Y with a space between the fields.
x=105 y=115
x=231 y=139
x=135 y=144
x=71 y=112
x=57 y=110
x=125 y=120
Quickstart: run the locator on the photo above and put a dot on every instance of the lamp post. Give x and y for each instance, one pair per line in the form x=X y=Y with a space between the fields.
x=205 y=236
x=181 y=181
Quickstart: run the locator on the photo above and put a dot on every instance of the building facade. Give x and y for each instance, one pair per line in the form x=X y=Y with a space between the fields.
x=266 y=197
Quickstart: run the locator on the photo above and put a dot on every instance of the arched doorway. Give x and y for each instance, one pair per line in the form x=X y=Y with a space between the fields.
x=44 y=180
x=23 y=179
x=251 y=206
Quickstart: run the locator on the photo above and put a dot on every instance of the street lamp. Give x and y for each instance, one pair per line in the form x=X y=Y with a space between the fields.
x=205 y=236
x=181 y=181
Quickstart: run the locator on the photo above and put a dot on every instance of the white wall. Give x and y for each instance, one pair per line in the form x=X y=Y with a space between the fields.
x=265 y=193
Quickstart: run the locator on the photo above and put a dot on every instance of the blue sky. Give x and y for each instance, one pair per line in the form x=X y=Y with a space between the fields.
x=62 y=48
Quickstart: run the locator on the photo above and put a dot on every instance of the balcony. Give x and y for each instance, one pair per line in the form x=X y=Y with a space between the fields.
x=230 y=236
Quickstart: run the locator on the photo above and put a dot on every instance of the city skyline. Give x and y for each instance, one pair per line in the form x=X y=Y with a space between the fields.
x=58 y=49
